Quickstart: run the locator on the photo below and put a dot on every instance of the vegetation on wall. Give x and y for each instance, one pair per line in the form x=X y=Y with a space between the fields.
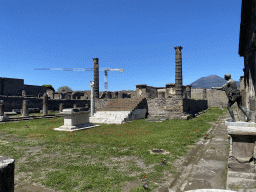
x=50 y=87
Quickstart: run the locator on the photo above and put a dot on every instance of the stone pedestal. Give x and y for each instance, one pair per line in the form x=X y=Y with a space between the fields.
x=7 y=174
x=3 y=117
x=243 y=137
x=75 y=120
x=25 y=108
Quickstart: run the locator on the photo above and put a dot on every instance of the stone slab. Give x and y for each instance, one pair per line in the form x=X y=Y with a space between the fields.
x=10 y=113
x=240 y=124
x=237 y=130
x=4 y=118
x=210 y=190
x=73 y=128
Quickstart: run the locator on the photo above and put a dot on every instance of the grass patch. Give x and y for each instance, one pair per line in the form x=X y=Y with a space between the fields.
x=102 y=158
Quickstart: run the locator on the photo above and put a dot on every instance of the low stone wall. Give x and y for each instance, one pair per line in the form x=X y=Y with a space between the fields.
x=216 y=98
x=100 y=103
x=191 y=106
x=15 y=102
x=164 y=106
x=169 y=107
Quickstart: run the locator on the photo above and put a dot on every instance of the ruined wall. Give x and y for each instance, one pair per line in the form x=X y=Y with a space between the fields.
x=164 y=106
x=216 y=98
x=11 y=86
x=34 y=90
x=100 y=103
x=197 y=93
x=172 y=106
x=15 y=102
x=191 y=106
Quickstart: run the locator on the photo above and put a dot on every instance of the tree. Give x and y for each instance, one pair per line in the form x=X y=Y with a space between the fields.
x=65 y=88
x=49 y=86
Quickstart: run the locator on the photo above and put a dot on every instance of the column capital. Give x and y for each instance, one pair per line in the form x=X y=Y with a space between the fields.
x=92 y=83
x=95 y=60
x=178 y=48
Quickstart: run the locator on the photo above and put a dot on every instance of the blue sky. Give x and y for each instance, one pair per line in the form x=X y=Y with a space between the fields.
x=138 y=36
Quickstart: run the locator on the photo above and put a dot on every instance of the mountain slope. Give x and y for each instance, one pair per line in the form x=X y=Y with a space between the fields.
x=210 y=81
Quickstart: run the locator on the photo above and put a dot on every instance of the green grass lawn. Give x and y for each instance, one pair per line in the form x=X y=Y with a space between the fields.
x=85 y=160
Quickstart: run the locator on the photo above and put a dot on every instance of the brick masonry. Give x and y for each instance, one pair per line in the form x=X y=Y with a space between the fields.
x=215 y=98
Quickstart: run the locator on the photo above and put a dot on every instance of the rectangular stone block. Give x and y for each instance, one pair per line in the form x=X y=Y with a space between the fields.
x=74 y=119
x=243 y=142
x=7 y=174
x=252 y=102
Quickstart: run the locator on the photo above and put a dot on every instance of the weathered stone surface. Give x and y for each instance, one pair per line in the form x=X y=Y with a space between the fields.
x=45 y=104
x=75 y=119
x=25 y=108
x=1 y=107
x=7 y=166
x=61 y=105
x=243 y=142
x=4 y=118
x=178 y=71
x=92 y=98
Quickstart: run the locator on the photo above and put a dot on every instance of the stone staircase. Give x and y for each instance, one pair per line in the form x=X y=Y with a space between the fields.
x=119 y=111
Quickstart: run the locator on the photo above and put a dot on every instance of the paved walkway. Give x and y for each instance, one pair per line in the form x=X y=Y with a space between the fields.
x=206 y=167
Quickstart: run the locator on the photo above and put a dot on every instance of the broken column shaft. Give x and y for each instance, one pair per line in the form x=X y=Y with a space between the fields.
x=178 y=72
x=96 y=78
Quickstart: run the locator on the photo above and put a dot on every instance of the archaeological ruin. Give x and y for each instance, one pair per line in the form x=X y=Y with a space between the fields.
x=175 y=100
x=247 y=49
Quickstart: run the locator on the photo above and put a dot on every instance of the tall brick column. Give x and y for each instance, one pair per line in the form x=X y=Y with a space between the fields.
x=96 y=78
x=178 y=72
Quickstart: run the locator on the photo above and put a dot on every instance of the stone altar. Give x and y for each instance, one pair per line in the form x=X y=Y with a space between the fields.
x=75 y=119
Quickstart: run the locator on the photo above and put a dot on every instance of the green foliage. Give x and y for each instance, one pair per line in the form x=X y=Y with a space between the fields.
x=65 y=88
x=50 y=87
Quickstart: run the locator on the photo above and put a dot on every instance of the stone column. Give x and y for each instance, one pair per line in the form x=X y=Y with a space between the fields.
x=61 y=107
x=92 y=98
x=96 y=77
x=1 y=107
x=204 y=94
x=45 y=104
x=25 y=108
x=24 y=93
x=178 y=72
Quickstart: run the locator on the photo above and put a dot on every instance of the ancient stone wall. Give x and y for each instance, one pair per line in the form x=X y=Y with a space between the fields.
x=171 y=106
x=15 y=102
x=99 y=103
x=216 y=98
x=191 y=106
x=34 y=90
x=11 y=86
